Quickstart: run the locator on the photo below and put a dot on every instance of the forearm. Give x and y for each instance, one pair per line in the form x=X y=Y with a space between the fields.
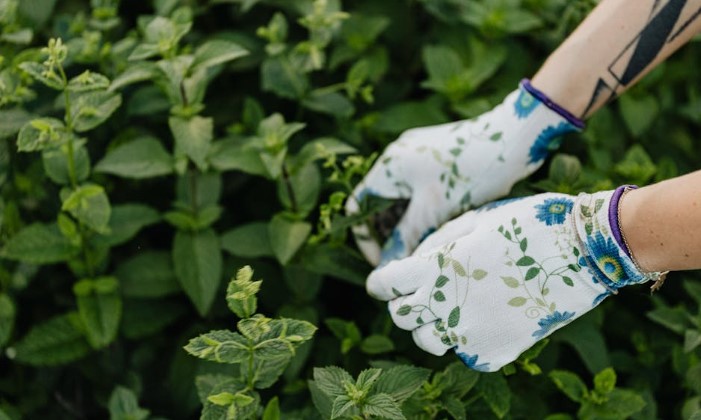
x=618 y=43
x=662 y=224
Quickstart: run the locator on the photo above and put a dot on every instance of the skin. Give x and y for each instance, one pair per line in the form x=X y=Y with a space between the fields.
x=618 y=43
x=661 y=224
x=601 y=59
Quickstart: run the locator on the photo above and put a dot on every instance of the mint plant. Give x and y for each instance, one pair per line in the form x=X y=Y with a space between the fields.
x=261 y=348
x=146 y=146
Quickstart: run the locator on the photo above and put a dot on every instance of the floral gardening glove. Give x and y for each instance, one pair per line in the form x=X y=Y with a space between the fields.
x=496 y=280
x=450 y=168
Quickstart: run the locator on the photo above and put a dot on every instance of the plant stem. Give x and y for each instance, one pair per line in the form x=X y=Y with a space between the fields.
x=288 y=186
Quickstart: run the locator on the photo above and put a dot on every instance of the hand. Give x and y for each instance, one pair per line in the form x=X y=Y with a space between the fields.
x=496 y=280
x=449 y=168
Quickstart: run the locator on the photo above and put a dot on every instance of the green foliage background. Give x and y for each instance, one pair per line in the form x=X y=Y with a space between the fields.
x=210 y=134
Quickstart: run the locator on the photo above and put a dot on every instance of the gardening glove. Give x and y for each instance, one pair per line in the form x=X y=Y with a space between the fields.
x=496 y=280
x=447 y=169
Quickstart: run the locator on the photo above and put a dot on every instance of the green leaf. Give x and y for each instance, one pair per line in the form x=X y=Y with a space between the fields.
x=636 y=165
x=143 y=157
x=134 y=73
x=41 y=133
x=39 y=72
x=40 y=244
x=518 y=301
x=336 y=261
x=193 y=137
x=57 y=167
x=272 y=410
x=89 y=204
x=496 y=393
x=444 y=68
x=88 y=81
x=479 y=274
x=12 y=120
x=454 y=317
x=511 y=282
x=401 y=382
x=382 y=405
x=693 y=378
x=241 y=293
x=639 y=113
x=376 y=344
x=126 y=220
x=215 y=52
x=532 y=273
x=439 y=296
x=198 y=263
x=280 y=76
x=249 y=240
x=305 y=184
x=620 y=404
x=123 y=405
x=605 y=381
x=332 y=103
x=232 y=154
x=569 y=384
x=148 y=274
x=287 y=236
x=341 y=405
x=330 y=380
x=7 y=318
x=88 y=110
x=525 y=261
x=568 y=281
x=54 y=342
x=221 y=346
x=38 y=12
x=405 y=115
x=588 y=342
x=692 y=340
x=100 y=309
x=676 y=319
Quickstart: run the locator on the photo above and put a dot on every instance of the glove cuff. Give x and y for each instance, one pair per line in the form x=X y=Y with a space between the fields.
x=542 y=97
x=596 y=230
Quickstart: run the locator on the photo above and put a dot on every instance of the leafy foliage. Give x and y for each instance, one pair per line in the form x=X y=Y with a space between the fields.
x=147 y=147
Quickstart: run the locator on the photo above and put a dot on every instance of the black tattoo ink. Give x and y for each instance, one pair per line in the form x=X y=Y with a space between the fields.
x=684 y=25
x=652 y=38
x=642 y=50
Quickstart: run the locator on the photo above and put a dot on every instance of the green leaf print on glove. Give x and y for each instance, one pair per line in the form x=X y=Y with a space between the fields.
x=447 y=169
x=496 y=280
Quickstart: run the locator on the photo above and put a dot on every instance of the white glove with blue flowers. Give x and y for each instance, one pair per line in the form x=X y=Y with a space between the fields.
x=497 y=279
x=450 y=168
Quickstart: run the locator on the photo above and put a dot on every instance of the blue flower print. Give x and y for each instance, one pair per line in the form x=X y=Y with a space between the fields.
x=553 y=211
x=525 y=104
x=471 y=362
x=607 y=262
x=546 y=324
x=393 y=249
x=583 y=263
x=548 y=139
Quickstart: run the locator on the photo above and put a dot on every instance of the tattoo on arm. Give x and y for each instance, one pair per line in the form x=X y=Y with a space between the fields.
x=642 y=49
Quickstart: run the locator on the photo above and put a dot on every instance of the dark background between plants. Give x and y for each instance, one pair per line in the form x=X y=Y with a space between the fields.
x=429 y=62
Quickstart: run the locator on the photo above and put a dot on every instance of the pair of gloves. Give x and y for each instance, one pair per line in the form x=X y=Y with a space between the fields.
x=495 y=280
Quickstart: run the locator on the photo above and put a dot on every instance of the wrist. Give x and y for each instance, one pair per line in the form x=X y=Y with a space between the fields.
x=642 y=246
x=553 y=105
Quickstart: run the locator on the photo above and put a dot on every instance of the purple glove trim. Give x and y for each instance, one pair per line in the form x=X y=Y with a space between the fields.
x=613 y=216
x=552 y=105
